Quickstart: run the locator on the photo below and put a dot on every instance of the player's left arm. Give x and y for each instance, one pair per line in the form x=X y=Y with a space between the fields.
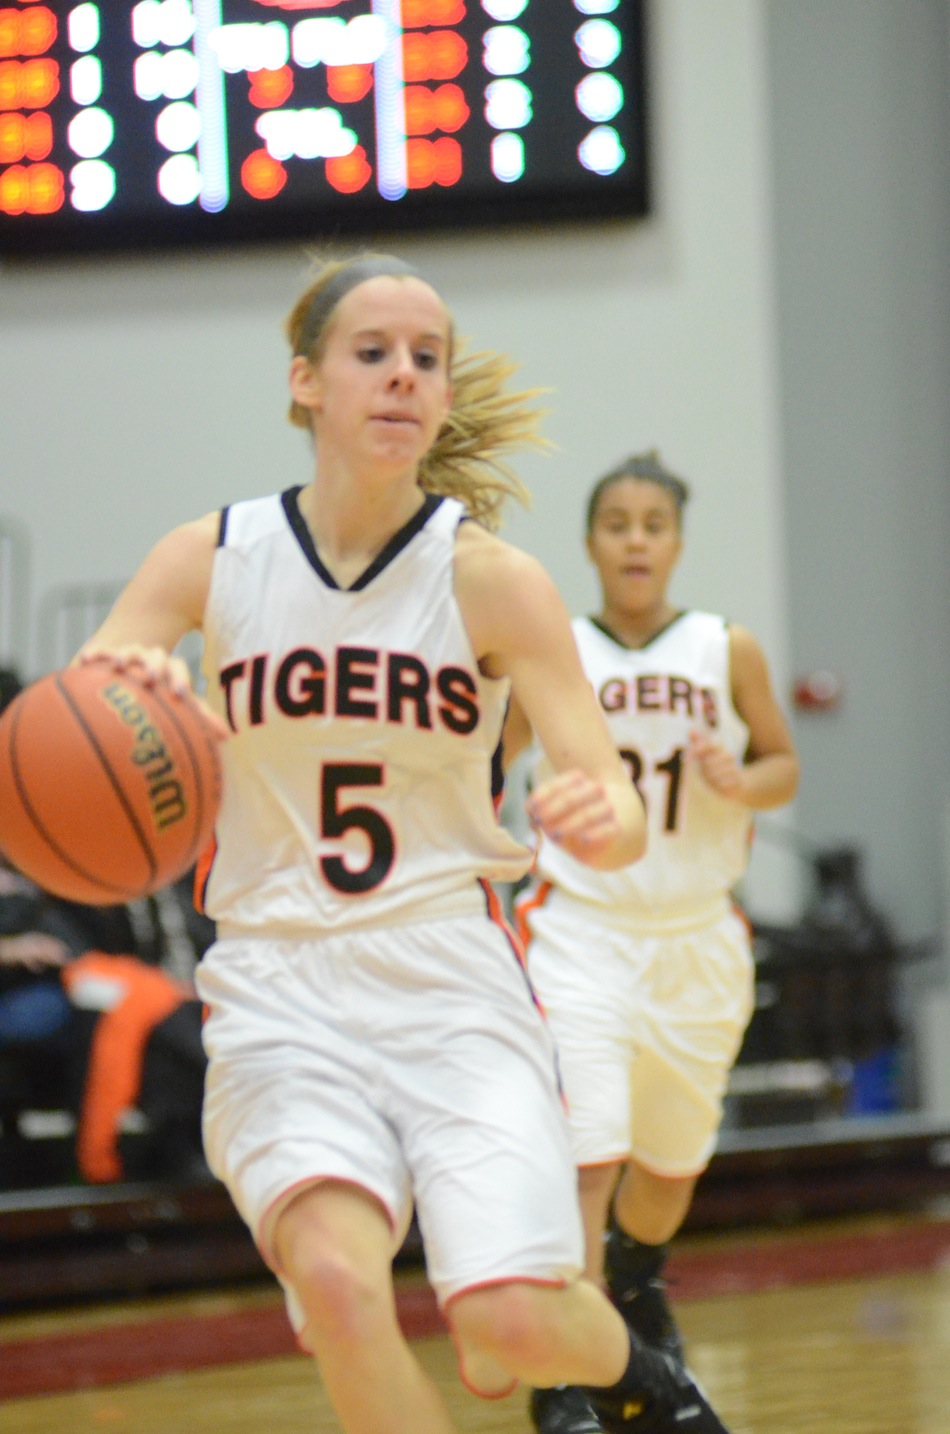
x=519 y=628
x=768 y=777
x=516 y=734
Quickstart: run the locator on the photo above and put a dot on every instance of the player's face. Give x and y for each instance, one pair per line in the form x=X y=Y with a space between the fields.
x=635 y=543
x=380 y=393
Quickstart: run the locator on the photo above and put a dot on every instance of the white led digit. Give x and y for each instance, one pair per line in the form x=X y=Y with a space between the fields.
x=507 y=157
x=601 y=150
x=147 y=76
x=278 y=130
x=313 y=40
x=82 y=26
x=176 y=23
x=363 y=42
x=179 y=179
x=508 y=104
x=599 y=43
x=322 y=134
x=93 y=184
x=90 y=133
x=596 y=7
x=251 y=46
x=178 y=126
x=179 y=74
x=507 y=50
x=504 y=10
x=330 y=40
x=306 y=134
x=85 y=80
x=146 y=17
x=599 y=97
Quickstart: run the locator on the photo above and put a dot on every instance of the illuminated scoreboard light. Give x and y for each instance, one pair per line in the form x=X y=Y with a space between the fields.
x=194 y=121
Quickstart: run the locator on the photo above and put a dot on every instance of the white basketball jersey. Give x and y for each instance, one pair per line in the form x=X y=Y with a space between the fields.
x=358 y=780
x=652 y=697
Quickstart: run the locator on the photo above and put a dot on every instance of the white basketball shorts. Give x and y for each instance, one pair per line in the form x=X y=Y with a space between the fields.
x=412 y=1062
x=647 y=1027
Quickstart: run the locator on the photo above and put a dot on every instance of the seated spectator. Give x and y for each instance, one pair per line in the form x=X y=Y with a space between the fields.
x=100 y=1031
x=98 y=1014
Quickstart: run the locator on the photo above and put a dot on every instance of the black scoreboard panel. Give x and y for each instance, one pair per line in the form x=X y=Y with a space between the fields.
x=172 y=122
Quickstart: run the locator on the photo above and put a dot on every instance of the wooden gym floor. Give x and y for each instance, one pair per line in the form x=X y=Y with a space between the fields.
x=838 y=1327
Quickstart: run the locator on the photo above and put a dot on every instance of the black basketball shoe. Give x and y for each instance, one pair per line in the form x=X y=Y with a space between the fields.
x=638 y=1290
x=565 y=1409
x=656 y=1395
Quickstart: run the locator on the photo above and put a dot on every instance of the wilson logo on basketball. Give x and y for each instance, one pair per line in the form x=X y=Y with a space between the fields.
x=165 y=791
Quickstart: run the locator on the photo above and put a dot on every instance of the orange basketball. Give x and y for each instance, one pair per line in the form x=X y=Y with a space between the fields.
x=109 y=789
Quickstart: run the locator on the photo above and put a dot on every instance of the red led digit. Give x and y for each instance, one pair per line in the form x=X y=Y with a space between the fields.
x=348 y=173
x=348 y=83
x=9 y=32
x=14 y=190
x=270 y=88
x=441 y=55
x=29 y=84
x=39 y=135
x=26 y=32
x=416 y=13
x=262 y=175
x=451 y=109
x=37 y=31
x=448 y=161
x=444 y=108
x=46 y=188
x=12 y=138
x=418 y=101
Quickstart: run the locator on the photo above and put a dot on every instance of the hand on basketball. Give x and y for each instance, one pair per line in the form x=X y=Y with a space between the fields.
x=151 y=664
x=719 y=768
x=575 y=811
x=154 y=666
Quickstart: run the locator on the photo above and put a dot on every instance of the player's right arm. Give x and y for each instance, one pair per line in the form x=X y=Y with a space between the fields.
x=163 y=601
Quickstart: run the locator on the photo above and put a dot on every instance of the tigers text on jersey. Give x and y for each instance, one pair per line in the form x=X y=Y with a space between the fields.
x=652 y=698
x=358 y=777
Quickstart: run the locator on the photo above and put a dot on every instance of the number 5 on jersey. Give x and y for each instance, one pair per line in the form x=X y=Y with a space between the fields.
x=338 y=818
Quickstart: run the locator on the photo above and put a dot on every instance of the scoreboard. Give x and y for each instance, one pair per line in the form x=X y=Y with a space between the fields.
x=199 y=121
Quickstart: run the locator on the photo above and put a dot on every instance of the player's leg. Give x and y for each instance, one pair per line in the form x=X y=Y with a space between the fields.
x=647 y=1211
x=585 y=1001
x=334 y=1244
x=696 y=997
x=573 y=1333
x=496 y=1196
x=566 y=1408
x=595 y=1186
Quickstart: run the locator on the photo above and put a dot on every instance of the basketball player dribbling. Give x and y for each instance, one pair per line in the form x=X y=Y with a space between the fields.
x=646 y=973
x=373 y=1042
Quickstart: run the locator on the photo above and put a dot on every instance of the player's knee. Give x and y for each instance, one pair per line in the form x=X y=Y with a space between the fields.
x=340 y=1300
x=504 y=1323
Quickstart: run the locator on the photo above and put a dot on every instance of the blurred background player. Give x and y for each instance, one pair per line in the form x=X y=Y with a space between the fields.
x=646 y=973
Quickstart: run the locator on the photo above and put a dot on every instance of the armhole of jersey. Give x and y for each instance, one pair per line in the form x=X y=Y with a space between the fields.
x=223 y=527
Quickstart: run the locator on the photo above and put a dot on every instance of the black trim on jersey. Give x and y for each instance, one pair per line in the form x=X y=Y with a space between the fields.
x=497 y=773
x=223 y=526
x=609 y=632
x=290 y=504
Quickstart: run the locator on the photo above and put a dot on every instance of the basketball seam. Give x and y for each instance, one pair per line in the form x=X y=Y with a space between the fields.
x=114 y=782
x=196 y=768
x=38 y=823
